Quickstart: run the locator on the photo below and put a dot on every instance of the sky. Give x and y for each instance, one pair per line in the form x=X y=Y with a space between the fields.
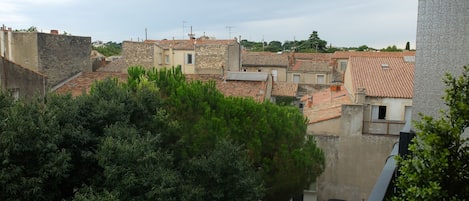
x=342 y=23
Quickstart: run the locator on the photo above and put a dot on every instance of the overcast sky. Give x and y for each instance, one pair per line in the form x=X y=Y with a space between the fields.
x=342 y=23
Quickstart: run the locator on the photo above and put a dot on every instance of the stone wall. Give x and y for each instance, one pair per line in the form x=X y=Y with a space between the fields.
x=62 y=56
x=138 y=53
x=442 y=46
x=209 y=58
x=26 y=82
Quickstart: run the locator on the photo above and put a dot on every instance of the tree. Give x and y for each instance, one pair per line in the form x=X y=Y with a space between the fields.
x=273 y=136
x=274 y=46
x=437 y=168
x=392 y=48
x=407 y=46
x=316 y=43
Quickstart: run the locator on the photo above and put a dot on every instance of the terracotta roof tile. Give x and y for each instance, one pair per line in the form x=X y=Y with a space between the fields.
x=83 y=82
x=284 y=89
x=346 y=54
x=394 y=81
x=253 y=89
x=326 y=104
x=258 y=59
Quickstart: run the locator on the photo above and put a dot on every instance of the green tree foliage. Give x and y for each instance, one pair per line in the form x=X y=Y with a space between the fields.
x=392 y=48
x=438 y=168
x=155 y=137
x=274 y=46
x=273 y=136
x=109 y=49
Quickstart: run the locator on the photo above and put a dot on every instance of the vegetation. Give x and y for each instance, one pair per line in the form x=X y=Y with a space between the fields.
x=109 y=49
x=155 y=137
x=392 y=48
x=437 y=169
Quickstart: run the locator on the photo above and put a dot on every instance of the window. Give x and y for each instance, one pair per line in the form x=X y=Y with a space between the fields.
x=320 y=79
x=259 y=70
x=296 y=78
x=189 y=59
x=343 y=65
x=166 y=59
x=378 y=112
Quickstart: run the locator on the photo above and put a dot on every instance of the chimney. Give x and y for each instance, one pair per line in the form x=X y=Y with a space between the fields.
x=360 y=96
x=54 y=31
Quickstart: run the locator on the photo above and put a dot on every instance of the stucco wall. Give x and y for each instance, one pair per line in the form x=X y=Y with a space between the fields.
x=353 y=164
x=395 y=107
x=328 y=127
x=309 y=77
x=62 y=56
x=353 y=160
x=28 y=82
x=442 y=46
x=24 y=50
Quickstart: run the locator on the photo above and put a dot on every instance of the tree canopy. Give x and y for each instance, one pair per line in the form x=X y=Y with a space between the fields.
x=437 y=168
x=154 y=137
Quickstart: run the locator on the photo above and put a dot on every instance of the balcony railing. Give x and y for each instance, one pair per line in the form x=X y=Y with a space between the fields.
x=383 y=127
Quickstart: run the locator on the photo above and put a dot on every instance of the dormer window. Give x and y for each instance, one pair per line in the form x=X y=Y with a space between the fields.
x=385 y=66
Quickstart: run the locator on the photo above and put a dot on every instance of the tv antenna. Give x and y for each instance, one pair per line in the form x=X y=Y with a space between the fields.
x=229 y=31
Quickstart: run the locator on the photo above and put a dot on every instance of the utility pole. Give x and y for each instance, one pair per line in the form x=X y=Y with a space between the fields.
x=229 y=31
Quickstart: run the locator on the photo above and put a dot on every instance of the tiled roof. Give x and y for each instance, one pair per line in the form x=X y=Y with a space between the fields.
x=258 y=59
x=346 y=54
x=308 y=65
x=395 y=81
x=326 y=104
x=254 y=89
x=188 y=44
x=284 y=89
x=83 y=82
x=313 y=56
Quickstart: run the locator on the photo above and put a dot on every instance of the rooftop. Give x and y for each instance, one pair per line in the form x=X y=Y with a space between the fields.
x=384 y=77
x=259 y=59
x=326 y=104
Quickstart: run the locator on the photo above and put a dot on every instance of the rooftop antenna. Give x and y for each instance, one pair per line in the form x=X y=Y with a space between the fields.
x=229 y=31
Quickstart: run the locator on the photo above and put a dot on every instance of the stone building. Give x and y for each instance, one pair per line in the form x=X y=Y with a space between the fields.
x=56 y=55
x=195 y=56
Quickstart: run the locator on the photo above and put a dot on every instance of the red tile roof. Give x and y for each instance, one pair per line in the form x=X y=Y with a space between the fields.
x=284 y=89
x=396 y=81
x=83 y=82
x=346 y=54
x=326 y=104
x=258 y=59
x=253 y=89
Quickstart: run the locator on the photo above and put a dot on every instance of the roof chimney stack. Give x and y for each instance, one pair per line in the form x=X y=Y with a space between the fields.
x=54 y=31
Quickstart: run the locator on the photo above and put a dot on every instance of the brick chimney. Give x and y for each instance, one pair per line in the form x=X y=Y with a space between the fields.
x=54 y=31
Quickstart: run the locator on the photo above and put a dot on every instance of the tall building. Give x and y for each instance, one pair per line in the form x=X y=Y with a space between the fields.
x=442 y=46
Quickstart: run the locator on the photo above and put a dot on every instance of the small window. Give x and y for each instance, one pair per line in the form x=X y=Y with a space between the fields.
x=320 y=79
x=166 y=59
x=343 y=65
x=259 y=70
x=296 y=78
x=189 y=59
x=378 y=112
